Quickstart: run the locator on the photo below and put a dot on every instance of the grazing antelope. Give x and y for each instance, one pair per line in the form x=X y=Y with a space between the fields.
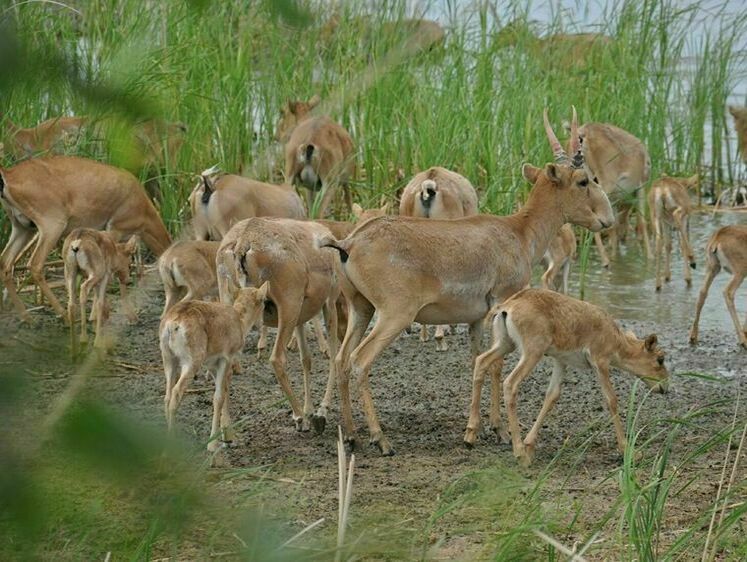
x=154 y=140
x=53 y=195
x=197 y=333
x=573 y=333
x=570 y=50
x=727 y=248
x=740 y=125
x=219 y=201
x=416 y=35
x=669 y=204
x=438 y=193
x=188 y=267
x=451 y=270
x=621 y=165
x=319 y=153
x=303 y=281
x=46 y=136
x=99 y=257
x=559 y=255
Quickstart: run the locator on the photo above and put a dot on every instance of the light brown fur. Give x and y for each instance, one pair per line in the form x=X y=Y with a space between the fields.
x=438 y=193
x=319 y=153
x=196 y=333
x=622 y=167
x=303 y=281
x=49 y=135
x=740 y=126
x=727 y=248
x=559 y=255
x=99 y=257
x=448 y=271
x=416 y=34
x=54 y=195
x=574 y=333
x=154 y=140
x=188 y=267
x=669 y=205
x=232 y=198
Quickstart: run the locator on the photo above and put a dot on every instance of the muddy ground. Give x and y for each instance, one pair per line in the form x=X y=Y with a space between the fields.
x=422 y=501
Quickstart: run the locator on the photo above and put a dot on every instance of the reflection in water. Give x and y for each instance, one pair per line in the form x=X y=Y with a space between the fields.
x=627 y=292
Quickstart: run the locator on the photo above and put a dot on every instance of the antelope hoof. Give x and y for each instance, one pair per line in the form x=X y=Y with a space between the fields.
x=470 y=436
x=693 y=339
x=384 y=448
x=319 y=423
x=667 y=278
x=502 y=434
x=351 y=444
x=302 y=423
x=658 y=288
x=219 y=459
x=441 y=345
x=693 y=265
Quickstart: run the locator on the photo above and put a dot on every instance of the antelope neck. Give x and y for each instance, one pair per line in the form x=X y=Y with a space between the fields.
x=538 y=222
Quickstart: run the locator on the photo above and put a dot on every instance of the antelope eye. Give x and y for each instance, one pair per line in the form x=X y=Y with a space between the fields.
x=660 y=360
x=596 y=180
x=584 y=182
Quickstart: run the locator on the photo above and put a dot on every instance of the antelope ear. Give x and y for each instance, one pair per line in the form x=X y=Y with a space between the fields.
x=314 y=101
x=530 y=173
x=693 y=180
x=357 y=210
x=650 y=342
x=552 y=173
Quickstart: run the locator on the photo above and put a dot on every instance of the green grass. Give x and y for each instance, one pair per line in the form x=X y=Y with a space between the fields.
x=472 y=104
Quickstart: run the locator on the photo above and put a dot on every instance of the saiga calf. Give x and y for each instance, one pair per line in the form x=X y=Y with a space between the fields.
x=99 y=257
x=574 y=333
x=197 y=333
x=669 y=204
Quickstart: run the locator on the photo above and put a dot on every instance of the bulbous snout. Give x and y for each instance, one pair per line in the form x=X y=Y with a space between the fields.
x=660 y=387
x=603 y=212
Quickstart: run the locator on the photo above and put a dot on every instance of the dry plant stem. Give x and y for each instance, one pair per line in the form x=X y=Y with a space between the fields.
x=345 y=483
x=705 y=555
x=574 y=557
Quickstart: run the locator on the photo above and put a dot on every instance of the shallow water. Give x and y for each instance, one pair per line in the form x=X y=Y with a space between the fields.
x=627 y=288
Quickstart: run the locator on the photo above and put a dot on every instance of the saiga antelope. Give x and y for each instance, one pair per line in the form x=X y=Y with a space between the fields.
x=621 y=165
x=197 y=333
x=727 y=248
x=438 y=193
x=319 y=153
x=559 y=256
x=574 y=333
x=669 y=204
x=220 y=200
x=54 y=195
x=451 y=271
x=303 y=281
x=97 y=256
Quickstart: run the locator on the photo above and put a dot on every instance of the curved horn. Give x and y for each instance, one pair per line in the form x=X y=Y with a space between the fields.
x=557 y=148
x=574 y=145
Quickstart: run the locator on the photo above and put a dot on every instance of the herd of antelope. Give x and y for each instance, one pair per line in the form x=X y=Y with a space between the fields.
x=257 y=260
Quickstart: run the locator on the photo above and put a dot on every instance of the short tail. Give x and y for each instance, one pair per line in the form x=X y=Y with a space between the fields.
x=309 y=152
x=207 y=183
x=342 y=246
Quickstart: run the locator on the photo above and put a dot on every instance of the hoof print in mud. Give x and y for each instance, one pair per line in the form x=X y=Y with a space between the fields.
x=319 y=423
